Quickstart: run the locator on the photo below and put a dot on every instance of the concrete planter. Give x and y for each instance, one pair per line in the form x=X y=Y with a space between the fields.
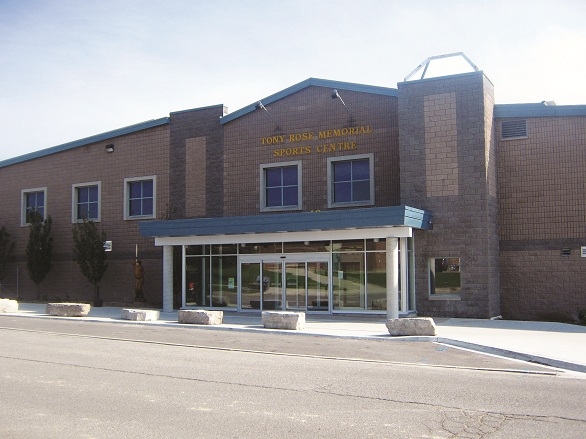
x=412 y=326
x=142 y=315
x=200 y=317
x=68 y=309
x=7 y=305
x=283 y=320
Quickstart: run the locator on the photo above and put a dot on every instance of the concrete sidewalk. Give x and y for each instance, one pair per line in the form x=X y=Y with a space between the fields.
x=554 y=344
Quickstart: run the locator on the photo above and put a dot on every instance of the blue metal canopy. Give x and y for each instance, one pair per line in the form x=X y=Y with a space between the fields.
x=393 y=216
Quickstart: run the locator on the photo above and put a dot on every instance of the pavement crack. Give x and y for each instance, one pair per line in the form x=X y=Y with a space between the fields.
x=456 y=422
x=454 y=408
x=475 y=424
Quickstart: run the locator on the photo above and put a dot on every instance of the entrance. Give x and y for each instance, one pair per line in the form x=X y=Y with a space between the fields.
x=278 y=282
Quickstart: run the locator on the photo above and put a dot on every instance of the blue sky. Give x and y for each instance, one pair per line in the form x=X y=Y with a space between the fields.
x=71 y=69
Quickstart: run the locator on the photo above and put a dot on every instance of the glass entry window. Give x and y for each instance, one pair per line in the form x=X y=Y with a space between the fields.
x=211 y=277
x=197 y=288
x=272 y=296
x=318 y=286
x=285 y=285
x=306 y=286
x=333 y=276
x=295 y=286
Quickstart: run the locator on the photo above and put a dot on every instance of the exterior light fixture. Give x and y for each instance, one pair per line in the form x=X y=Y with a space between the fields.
x=259 y=106
x=336 y=95
x=109 y=148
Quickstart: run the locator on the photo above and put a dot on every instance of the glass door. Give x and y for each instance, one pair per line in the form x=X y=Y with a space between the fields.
x=272 y=292
x=295 y=274
x=197 y=281
x=285 y=283
x=318 y=291
x=251 y=284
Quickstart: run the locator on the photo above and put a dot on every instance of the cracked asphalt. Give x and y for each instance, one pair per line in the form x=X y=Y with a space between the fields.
x=71 y=379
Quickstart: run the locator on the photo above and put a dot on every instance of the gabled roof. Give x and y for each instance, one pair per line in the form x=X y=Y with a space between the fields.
x=86 y=141
x=308 y=83
x=542 y=109
x=375 y=217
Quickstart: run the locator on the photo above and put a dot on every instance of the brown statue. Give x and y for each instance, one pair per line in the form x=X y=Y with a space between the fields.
x=139 y=280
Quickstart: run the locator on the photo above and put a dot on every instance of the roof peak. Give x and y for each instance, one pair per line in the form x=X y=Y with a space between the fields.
x=310 y=82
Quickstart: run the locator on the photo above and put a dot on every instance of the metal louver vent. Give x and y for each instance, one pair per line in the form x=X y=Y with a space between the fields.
x=513 y=129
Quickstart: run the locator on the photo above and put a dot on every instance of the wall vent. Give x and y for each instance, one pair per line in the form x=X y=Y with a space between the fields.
x=514 y=129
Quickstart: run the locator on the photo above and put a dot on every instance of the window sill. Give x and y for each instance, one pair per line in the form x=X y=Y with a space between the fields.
x=505 y=139
x=139 y=217
x=280 y=209
x=351 y=204
x=445 y=297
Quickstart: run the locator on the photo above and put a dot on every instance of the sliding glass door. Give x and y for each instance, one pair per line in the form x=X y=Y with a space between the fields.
x=284 y=283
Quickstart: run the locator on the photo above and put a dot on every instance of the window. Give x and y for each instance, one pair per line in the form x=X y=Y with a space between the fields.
x=33 y=200
x=86 y=201
x=139 y=195
x=281 y=187
x=351 y=181
x=444 y=276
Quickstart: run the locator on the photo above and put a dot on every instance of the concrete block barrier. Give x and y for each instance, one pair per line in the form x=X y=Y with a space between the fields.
x=67 y=309
x=142 y=315
x=200 y=317
x=8 y=305
x=283 y=320
x=412 y=326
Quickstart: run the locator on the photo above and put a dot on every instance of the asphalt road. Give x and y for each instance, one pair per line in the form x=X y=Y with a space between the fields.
x=74 y=379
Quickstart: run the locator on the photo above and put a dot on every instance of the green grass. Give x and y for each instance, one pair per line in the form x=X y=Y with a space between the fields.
x=447 y=280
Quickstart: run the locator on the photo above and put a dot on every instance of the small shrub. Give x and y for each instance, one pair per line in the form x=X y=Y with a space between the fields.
x=582 y=316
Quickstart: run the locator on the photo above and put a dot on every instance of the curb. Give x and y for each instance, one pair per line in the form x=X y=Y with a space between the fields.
x=530 y=358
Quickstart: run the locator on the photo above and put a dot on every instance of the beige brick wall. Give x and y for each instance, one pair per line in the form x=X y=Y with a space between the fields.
x=195 y=176
x=309 y=111
x=490 y=154
x=144 y=153
x=441 y=144
x=540 y=284
x=447 y=154
x=542 y=210
x=542 y=181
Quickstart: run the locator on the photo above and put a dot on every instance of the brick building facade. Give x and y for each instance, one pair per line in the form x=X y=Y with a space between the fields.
x=542 y=210
x=326 y=197
x=448 y=166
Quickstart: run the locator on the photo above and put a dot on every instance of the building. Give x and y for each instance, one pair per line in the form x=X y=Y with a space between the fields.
x=326 y=197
